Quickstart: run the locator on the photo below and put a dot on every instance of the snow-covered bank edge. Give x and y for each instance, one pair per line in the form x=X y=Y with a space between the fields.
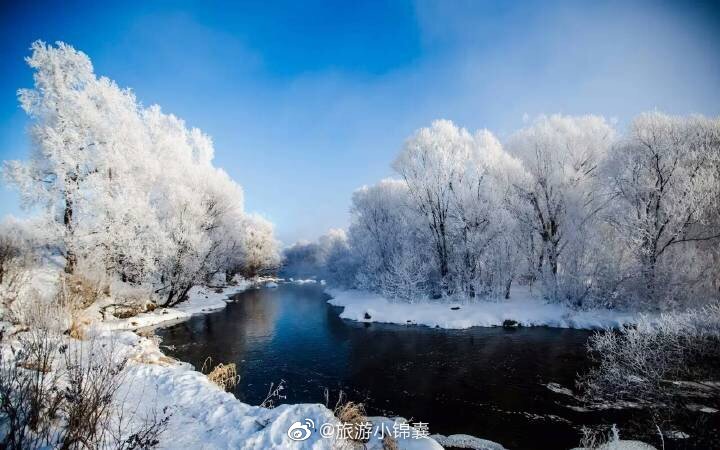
x=363 y=306
x=205 y=416
x=200 y=414
x=201 y=300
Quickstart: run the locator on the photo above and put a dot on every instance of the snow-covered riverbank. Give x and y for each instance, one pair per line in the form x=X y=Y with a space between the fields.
x=366 y=306
x=204 y=416
x=200 y=414
x=201 y=300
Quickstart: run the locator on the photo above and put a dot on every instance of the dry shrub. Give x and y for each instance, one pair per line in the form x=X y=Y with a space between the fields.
x=33 y=310
x=162 y=360
x=77 y=331
x=351 y=413
x=84 y=291
x=71 y=403
x=223 y=375
x=124 y=311
x=389 y=443
x=275 y=394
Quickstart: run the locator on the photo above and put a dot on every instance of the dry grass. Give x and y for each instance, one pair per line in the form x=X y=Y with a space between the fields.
x=389 y=443
x=77 y=330
x=37 y=366
x=223 y=375
x=84 y=291
x=160 y=361
x=351 y=413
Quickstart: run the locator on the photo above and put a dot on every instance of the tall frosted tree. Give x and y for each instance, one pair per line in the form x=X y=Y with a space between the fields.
x=664 y=174
x=452 y=178
x=132 y=191
x=66 y=148
x=560 y=197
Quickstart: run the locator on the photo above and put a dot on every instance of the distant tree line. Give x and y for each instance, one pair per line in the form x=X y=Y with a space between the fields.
x=567 y=205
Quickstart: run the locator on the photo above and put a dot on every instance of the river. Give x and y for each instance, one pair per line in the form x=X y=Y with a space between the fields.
x=488 y=382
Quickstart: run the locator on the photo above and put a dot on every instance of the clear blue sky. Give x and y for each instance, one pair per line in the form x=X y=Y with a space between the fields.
x=308 y=100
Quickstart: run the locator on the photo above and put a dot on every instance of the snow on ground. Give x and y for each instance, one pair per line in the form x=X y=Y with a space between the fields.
x=304 y=281
x=466 y=441
x=204 y=416
x=201 y=300
x=622 y=445
x=521 y=307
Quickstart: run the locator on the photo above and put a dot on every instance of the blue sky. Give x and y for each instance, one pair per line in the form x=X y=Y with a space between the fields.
x=308 y=100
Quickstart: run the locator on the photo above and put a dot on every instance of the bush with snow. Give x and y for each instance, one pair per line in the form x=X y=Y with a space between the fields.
x=666 y=364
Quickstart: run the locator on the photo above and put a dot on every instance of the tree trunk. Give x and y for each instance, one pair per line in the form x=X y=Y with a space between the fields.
x=70 y=256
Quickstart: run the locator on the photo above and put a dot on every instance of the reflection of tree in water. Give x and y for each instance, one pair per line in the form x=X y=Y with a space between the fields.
x=253 y=319
x=256 y=313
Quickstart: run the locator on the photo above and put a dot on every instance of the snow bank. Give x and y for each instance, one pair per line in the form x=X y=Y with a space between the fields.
x=303 y=281
x=200 y=300
x=466 y=441
x=359 y=305
x=622 y=445
x=204 y=416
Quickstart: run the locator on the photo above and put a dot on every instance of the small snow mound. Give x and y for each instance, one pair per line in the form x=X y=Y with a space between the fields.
x=701 y=408
x=622 y=445
x=466 y=441
x=559 y=389
x=271 y=284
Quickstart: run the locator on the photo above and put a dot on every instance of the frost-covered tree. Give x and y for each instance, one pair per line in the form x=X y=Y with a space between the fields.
x=560 y=197
x=338 y=261
x=390 y=242
x=456 y=182
x=479 y=216
x=260 y=249
x=302 y=260
x=665 y=178
x=329 y=258
x=69 y=150
x=132 y=190
x=430 y=162
x=379 y=227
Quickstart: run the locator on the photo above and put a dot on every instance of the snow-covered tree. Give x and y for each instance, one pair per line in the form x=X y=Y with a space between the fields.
x=329 y=258
x=133 y=191
x=665 y=178
x=261 y=251
x=69 y=152
x=559 y=199
x=457 y=181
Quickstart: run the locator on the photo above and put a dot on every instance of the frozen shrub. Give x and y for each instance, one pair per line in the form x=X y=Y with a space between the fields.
x=274 y=395
x=353 y=418
x=55 y=395
x=223 y=375
x=665 y=365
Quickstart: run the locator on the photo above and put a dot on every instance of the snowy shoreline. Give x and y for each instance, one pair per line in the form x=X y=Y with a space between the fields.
x=364 y=306
x=205 y=416
x=201 y=300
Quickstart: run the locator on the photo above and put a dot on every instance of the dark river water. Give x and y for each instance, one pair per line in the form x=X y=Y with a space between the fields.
x=488 y=382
